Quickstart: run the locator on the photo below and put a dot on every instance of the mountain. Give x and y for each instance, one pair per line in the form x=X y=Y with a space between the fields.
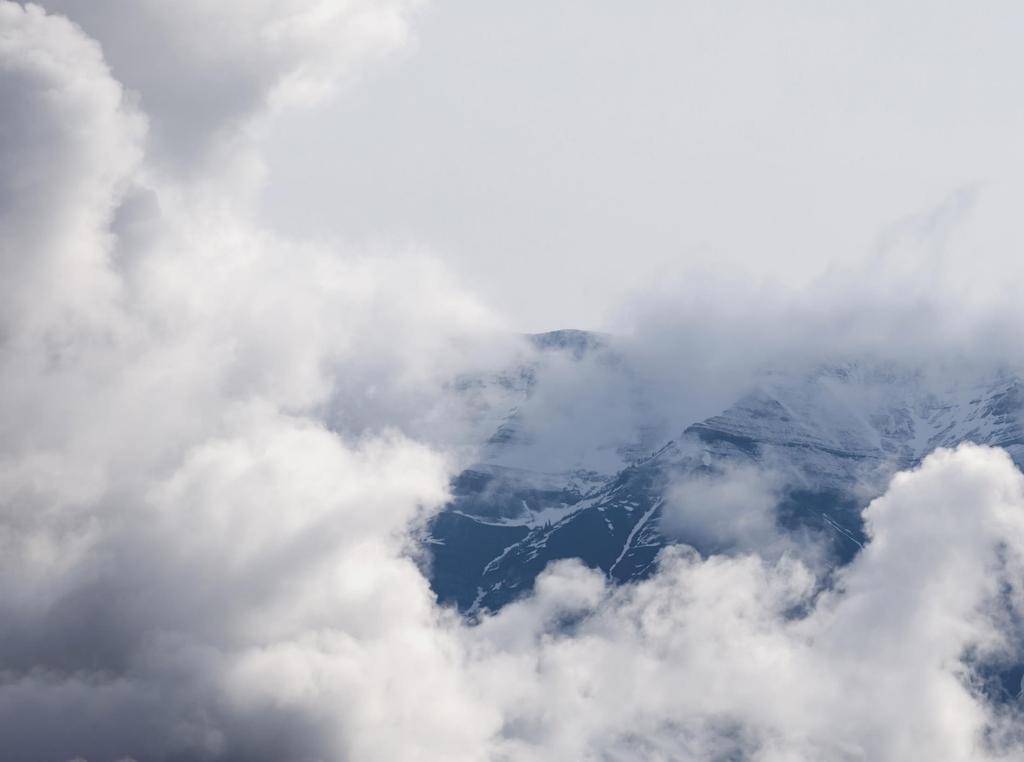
x=583 y=466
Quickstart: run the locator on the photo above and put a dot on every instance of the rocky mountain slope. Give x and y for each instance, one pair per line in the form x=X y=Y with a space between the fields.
x=582 y=466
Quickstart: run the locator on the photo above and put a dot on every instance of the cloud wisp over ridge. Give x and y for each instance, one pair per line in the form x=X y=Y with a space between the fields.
x=216 y=444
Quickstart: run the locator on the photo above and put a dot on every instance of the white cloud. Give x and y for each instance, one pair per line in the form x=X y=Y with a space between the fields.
x=726 y=508
x=208 y=476
x=69 y=144
x=195 y=564
x=707 y=660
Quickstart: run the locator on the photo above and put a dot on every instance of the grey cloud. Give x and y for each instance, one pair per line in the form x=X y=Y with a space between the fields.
x=203 y=71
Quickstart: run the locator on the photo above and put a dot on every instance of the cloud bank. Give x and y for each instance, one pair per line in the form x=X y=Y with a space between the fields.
x=708 y=661
x=215 y=446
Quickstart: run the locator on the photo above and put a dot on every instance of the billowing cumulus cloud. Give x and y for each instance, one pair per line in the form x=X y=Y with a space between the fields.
x=70 y=143
x=195 y=563
x=709 y=659
x=217 y=446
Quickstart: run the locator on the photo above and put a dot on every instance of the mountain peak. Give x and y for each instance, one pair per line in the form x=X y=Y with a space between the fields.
x=573 y=340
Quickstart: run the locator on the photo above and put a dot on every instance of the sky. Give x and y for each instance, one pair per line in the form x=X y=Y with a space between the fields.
x=246 y=246
x=563 y=156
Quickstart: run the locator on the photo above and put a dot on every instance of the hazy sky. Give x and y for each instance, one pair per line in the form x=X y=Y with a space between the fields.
x=561 y=154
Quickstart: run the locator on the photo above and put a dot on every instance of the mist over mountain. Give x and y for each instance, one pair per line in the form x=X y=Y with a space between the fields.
x=279 y=496
x=585 y=464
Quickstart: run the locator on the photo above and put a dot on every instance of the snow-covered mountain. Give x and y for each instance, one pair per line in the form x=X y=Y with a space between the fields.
x=584 y=463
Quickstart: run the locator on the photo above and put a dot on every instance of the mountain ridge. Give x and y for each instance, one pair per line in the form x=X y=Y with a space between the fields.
x=829 y=437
